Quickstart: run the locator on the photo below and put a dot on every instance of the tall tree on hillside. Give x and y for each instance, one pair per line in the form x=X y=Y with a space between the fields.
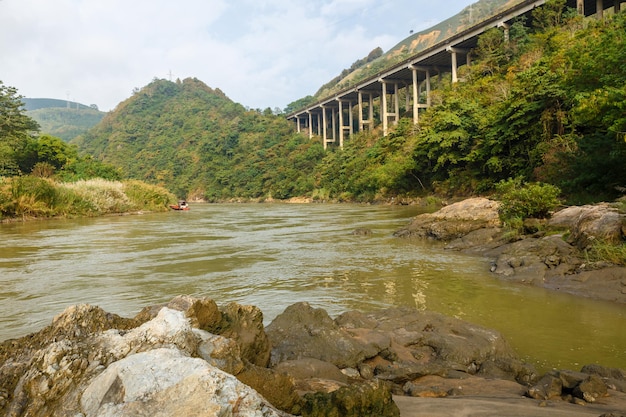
x=16 y=130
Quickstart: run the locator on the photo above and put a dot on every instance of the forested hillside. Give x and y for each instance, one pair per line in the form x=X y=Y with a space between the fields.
x=198 y=143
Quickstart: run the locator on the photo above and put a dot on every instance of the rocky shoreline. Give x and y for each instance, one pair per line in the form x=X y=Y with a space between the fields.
x=193 y=357
x=552 y=256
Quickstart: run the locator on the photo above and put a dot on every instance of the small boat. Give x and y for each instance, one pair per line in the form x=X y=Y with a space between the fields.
x=182 y=205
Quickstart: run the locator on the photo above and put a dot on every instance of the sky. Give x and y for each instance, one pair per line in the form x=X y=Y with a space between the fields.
x=260 y=53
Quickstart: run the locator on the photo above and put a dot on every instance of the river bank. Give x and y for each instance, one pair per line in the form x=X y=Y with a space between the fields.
x=193 y=357
x=555 y=255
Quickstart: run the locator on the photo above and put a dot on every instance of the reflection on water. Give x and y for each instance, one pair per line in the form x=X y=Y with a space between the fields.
x=273 y=255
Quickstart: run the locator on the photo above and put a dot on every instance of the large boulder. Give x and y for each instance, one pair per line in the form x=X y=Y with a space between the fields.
x=396 y=345
x=455 y=220
x=166 y=382
x=590 y=223
x=244 y=324
x=302 y=331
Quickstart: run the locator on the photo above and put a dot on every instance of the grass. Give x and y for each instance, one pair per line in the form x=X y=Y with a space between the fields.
x=33 y=197
x=607 y=252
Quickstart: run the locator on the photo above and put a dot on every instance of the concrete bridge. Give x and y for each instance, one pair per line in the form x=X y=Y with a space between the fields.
x=332 y=118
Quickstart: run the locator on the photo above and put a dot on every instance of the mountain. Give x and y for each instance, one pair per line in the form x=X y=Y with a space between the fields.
x=62 y=118
x=415 y=43
x=198 y=143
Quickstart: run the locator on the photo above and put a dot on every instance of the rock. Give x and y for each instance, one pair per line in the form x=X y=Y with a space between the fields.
x=396 y=345
x=614 y=378
x=309 y=368
x=590 y=389
x=367 y=399
x=202 y=313
x=430 y=391
x=549 y=386
x=304 y=332
x=221 y=352
x=361 y=231
x=455 y=220
x=590 y=223
x=165 y=382
x=533 y=260
x=478 y=240
x=244 y=324
x=278 y=388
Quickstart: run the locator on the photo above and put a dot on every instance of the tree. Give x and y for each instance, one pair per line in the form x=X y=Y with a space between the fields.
x=16 y=130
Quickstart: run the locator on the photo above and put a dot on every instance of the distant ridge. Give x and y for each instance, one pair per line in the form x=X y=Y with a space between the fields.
x=62 y=118
x=44 y=103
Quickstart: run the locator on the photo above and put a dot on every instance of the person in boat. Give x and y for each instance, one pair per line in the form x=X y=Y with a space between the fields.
x=182 y=204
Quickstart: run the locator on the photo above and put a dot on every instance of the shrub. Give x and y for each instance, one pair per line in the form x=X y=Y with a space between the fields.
x=101 y=195
x=147 y=196
x=521 y=200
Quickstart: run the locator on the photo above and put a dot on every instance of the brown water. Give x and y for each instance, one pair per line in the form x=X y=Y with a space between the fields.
x=273 y=255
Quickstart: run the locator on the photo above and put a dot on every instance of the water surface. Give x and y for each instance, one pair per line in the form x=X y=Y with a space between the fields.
x=273 y=255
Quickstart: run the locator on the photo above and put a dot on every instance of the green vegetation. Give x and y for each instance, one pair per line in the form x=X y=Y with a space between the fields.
x=607 y=252
x=196 y=142
x=66 y=123
x=30 y=197
x=520 y=201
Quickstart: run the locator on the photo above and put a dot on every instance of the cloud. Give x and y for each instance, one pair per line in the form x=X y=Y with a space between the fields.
x=261 y=53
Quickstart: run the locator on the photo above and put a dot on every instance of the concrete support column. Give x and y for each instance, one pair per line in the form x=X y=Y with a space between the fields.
x=428 y=98
x=324 y=126
x=416 y=96
x=319 y=125
x=396 y=101
x=350 y=119
x=298 y=124
x=370 y=111
x=617 y=6
x=580 y=6
x=507 y=31
x=600 y=9
x=340 y=114
x=334 y=125
x=360 y=107
x=310 y=125
x=407 y=97
x=455 y=77
x=383 y=107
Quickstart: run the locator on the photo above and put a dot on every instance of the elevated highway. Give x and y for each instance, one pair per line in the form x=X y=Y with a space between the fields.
x=333 y=118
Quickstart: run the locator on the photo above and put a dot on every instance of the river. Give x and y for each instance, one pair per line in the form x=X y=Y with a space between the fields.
x=273 y=255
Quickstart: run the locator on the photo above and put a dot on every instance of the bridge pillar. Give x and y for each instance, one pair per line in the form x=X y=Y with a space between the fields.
x=310 y=125
x=580 y=6
x=324 y=126
x=415 y=96
x=453 y=52
x=507 y=30
x=333 y=121
x=383 y=107
x=617 y=6
x=600 y=9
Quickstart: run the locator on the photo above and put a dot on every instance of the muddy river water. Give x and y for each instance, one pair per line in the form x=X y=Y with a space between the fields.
x=273 y=255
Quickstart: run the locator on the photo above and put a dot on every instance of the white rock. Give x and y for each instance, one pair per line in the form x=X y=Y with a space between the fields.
x=165 y=382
